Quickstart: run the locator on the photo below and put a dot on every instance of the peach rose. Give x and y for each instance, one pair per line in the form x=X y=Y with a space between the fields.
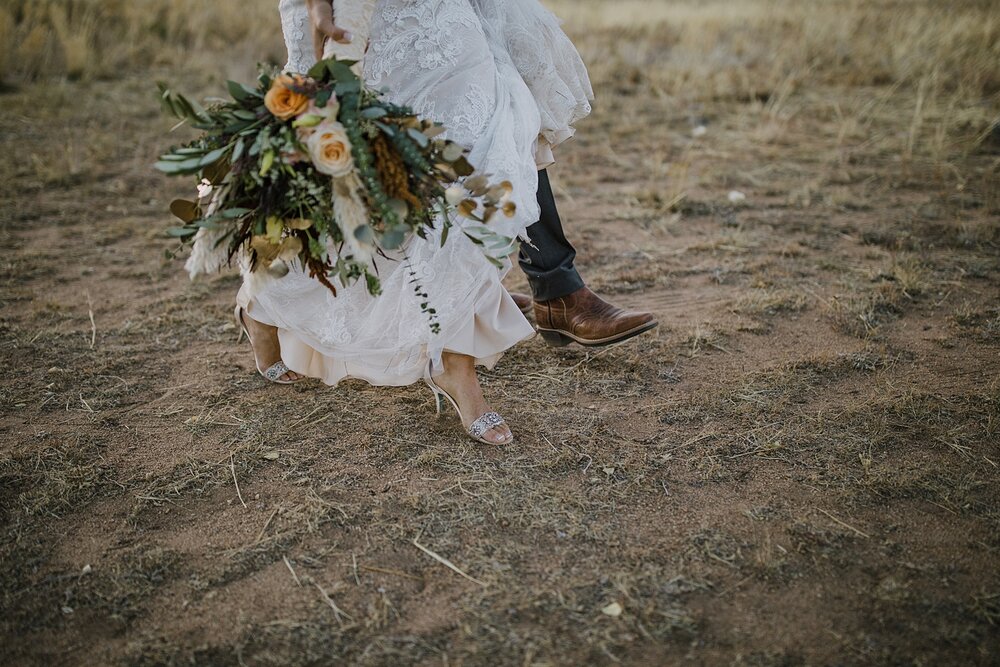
x=284 y=102
x=330 y=149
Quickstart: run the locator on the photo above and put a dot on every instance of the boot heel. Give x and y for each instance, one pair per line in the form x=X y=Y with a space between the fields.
x=554 y=338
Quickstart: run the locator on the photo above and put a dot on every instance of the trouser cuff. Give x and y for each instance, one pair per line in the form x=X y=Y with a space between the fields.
x=554 y=284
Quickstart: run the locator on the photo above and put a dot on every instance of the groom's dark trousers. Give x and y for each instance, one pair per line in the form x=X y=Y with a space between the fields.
x=549 y=264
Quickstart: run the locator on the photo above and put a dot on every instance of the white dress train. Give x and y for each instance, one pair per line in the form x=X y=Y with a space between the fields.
x=508 y=84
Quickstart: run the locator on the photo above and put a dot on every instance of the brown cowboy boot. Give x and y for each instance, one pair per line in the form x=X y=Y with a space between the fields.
x=524 y=302
x=589 y=320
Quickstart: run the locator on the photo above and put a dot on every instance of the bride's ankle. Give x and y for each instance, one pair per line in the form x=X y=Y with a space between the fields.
x=258 y=329
x=458 y=373
x=460 y=380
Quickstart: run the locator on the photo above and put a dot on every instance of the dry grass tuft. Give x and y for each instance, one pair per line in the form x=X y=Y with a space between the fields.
x=766 y=302
x=99 y=39
x=54 y=479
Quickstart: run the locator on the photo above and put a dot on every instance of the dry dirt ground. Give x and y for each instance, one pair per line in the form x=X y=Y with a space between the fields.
x=799 y=466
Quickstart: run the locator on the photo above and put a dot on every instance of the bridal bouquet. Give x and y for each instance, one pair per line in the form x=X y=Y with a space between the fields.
x=319 y=169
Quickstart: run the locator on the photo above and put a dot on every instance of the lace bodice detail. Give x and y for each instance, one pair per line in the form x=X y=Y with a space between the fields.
x=427 y=35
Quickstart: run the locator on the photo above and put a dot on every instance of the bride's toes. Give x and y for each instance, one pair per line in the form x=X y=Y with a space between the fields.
x=499 y=435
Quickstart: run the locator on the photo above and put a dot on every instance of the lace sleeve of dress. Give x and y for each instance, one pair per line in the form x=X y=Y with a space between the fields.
x=298 y=35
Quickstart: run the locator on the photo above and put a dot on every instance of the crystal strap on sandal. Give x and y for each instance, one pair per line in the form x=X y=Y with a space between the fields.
x=484 y=424
x=275 y=372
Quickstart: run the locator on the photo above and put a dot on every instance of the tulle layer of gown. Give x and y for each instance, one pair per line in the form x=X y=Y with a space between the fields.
x=508 y=84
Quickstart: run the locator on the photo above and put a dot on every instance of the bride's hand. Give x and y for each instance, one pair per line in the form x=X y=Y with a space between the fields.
x=321 y=16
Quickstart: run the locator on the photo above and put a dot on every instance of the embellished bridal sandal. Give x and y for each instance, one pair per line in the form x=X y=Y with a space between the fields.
x=480 y=426
x=276 y=370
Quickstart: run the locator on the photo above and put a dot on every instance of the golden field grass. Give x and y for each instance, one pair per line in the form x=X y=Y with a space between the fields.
x=800 y=466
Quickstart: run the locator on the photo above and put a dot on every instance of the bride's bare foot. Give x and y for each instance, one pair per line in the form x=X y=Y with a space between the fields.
x=459 y=379
x=266 y=348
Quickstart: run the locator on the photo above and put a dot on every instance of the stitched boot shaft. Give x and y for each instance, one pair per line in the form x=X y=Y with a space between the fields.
x=523 y=302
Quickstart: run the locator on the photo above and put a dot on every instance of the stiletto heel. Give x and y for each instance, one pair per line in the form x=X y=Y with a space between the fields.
x=272 y=374
x=481 y=425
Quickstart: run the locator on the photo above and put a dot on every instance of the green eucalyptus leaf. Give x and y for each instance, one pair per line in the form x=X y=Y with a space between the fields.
x=236 y=90
x=266 y=162
x=184 y=107
x=374 y=112
x=236 y=127
x=347 y=87
x=392 y=239
x=182 y=232
x=240 y=92
x=238 y=149
x=169 y=168
x=236 y=212
x=389 y=130
x=322 y=97
x=213 y=156
x=174 y=157
x=318 y=71
x=341 y=71
x=190 y=166
x=501 y=248
x=365 y=234
x=418 y=137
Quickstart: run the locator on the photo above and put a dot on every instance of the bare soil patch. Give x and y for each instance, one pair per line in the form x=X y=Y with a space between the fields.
x=799 y=466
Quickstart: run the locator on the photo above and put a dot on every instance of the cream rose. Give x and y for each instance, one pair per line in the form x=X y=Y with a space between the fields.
x=330 y=149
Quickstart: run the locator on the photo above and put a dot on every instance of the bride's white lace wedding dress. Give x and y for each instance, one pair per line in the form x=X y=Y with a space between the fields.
x=508 y=84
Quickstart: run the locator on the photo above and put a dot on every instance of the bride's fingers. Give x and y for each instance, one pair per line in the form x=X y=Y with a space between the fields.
x=321 y=16
x=320 y=37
